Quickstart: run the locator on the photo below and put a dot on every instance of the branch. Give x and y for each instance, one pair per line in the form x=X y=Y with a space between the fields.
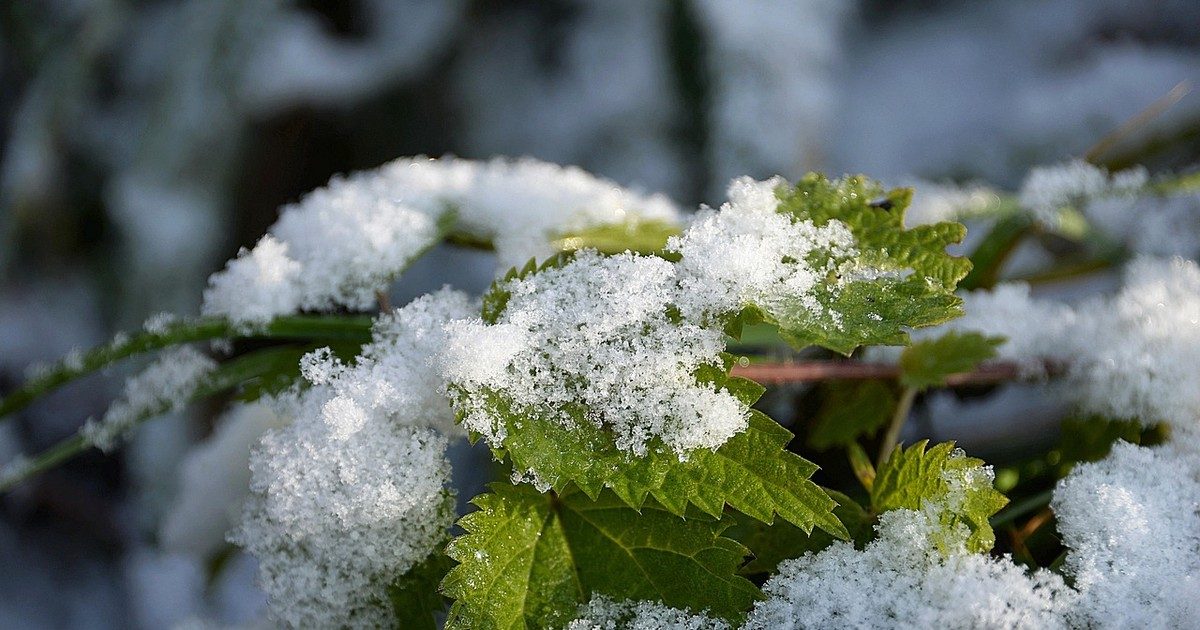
x=814 y=371
x=325 y=328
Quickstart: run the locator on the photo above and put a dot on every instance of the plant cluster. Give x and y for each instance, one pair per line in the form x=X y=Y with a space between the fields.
x=640 y=482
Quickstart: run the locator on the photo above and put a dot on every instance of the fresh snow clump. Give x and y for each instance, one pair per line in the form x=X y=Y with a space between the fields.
x=258 y=285
x=905 y=579
x=352 y=494
x=596 y=333
x=747 y=253
x=1132 y=524
x=342 y=243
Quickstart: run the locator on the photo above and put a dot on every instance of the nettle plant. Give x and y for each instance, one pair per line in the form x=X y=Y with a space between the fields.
x=612 y=377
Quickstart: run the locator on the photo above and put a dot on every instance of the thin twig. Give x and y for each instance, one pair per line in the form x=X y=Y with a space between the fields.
x=1139 y=120
x=385 y=303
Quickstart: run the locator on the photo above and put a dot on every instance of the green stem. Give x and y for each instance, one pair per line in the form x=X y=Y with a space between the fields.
x=899 y=417
x=225 y=377
x=989 y=257
x=325 y=328
x=1025 y=506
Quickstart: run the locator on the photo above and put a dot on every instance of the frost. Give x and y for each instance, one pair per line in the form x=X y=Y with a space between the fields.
x=596 y=334
x=342 y=243
x=904 y=579
x=214 y=482
x=604 y=613
x=352 y=494
x=1046 y=189
x=164 y=386
x=1132 y=524
x=747 y=253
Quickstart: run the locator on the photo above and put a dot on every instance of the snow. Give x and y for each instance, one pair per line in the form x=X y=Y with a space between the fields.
x=343 y=243
x=1132 y=525
x=605 y=613
x=352 y=493
x=597 y=333
x=1046 y=189
x=214 y=482
x=747 y=253
x=904 y=579
x=164 y=386
x=1131 y=355
x=1151 y=224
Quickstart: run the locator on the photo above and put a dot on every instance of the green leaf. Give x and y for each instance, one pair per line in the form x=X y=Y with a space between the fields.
x=528 y=560
x=899 y=278
x=637 y=234
x=415 y=597
x=779 y=541
x=752 y=472
x=851 y=409
x=927 y=363
x=943 y=478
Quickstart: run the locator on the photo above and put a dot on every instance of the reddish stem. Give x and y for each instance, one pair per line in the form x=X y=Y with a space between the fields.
x=809 y=371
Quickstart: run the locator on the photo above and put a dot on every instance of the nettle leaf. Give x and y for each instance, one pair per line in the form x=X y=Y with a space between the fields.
x=851 y=409
x=928 y=362
x=415 y=597
x=752 y=472
x=636 y=234
x=779 y=541
x=528 y=559
x=944 y=478
x=900 y=277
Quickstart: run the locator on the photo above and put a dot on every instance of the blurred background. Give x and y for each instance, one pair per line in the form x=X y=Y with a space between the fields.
x=143 y=143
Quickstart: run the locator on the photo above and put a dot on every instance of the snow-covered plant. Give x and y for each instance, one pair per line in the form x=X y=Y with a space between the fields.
x=614 y=372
